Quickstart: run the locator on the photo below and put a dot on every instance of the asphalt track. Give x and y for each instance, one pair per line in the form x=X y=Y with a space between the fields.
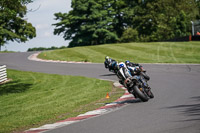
x=175 y=108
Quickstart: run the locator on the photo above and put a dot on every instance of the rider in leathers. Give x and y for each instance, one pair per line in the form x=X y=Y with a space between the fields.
x=124 y=76
x=131 y=65
x=109 y=62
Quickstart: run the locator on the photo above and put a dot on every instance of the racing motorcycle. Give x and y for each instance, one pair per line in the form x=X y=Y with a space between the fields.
x=112 y=65
x=136 y=84
x=141 y=70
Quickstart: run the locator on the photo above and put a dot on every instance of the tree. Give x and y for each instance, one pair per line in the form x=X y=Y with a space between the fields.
x=198 y=6
x=129 y=35
x=119 y=23
x=164 y=19
x=90 y=22
x=13 y=25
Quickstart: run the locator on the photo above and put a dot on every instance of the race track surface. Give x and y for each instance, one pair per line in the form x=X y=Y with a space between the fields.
x=175 y=108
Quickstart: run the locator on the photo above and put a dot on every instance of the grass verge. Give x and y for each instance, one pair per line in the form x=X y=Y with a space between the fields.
x=154 y=52
x=6 y=51
x=33 y=99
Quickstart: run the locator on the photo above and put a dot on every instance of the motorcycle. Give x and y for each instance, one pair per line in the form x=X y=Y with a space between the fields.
x=141 y=69
x=136 y=84
x=112 y=65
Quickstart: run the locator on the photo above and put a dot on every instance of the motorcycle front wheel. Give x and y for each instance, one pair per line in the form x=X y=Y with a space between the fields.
x=145 y=76
x=150 y=94
x=141 y=94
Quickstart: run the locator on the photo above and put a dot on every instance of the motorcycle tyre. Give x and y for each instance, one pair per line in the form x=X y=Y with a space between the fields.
x=140 y=94
x=150 y=94
x=145 y=76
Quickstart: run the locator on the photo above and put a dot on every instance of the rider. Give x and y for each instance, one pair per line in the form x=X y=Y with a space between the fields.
x=124 y=76
x=131 y=64
x=109 y=63
x=134 y=67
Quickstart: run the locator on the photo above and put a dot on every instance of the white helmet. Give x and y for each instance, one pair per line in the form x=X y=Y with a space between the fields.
x=122 y=64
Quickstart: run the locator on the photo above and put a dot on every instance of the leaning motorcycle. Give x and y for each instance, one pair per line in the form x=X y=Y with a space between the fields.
x=139 y=69
x=136 y=84
x=112 y=65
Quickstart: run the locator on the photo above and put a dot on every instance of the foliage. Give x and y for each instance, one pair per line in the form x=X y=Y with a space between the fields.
x=129 y=35
x=13 y=25
x=93 y=22
x=42 y=48
x=198 y=5
x=166 y=19
x=89 y=23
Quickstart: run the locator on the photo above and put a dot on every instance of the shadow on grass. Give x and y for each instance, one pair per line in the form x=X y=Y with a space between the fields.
x=14 y=87
x=192 y=110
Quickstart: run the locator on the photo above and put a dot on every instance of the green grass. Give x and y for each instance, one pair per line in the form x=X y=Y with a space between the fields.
x=33 y=99
x=6 y=51
x=154 y=52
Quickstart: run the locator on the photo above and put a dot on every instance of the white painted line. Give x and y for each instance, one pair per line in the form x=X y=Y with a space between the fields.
x=117 y=84
x=126 y=96
x=95 y=112
x=52 y=126
x=35 y=58
x=110 y=104
x=126 y=91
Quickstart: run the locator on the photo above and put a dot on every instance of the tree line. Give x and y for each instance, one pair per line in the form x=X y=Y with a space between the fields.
x=93 y=22
x=43 y=48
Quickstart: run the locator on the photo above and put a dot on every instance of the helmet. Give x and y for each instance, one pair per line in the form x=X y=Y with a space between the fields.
x=127 y=62
x=121 y=64
x=137 y=70
x=106 y=57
